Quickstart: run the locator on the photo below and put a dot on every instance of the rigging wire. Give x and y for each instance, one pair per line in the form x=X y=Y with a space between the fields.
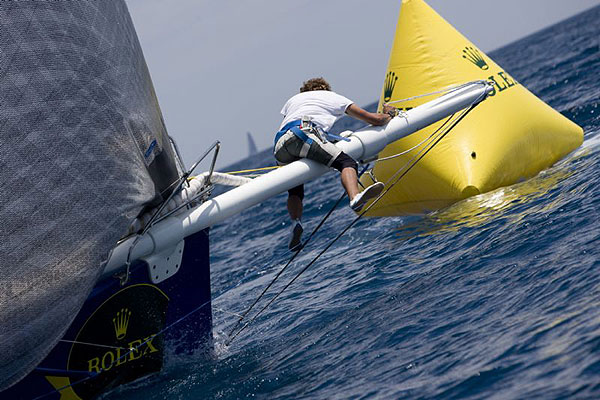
x=447 y=89
x=163 y=331
x=93 y=344
x=181 y=182
x=252 y=170
x=408 y=150
x=184 y=317
x=396 y=178
x=243 y=316
x=319 y=225
x=136 y=348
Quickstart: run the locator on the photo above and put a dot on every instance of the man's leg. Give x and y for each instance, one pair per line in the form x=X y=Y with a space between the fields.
x=348 y=169
x=289 y=149
x=294 y=202
x=294 y=206
x=350 y=181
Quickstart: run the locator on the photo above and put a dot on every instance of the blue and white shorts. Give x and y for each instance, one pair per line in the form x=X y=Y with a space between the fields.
x=290 y=148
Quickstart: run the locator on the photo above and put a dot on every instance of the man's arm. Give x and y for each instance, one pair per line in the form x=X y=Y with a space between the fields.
x=376 y=119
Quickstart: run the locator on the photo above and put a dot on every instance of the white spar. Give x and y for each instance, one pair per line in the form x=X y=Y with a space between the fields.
x=364 y=144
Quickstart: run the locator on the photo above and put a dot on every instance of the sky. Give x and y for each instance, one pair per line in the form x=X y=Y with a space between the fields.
x=223 y=68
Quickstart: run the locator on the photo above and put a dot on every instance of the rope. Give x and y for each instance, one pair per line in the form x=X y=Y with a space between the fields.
x=92 y=375
x=396 y=178
x=181 y=182
x=243 y=316
x=445 y=90
x=162 y=331
x=406 y=151
x=93 y=344
x=62 y=371
x=227 y=312
x=252 y=170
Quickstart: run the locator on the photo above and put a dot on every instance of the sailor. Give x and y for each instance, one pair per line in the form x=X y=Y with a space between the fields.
x=308 y=116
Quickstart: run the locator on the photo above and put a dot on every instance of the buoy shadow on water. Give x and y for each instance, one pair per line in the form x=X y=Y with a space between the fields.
x=514 y=202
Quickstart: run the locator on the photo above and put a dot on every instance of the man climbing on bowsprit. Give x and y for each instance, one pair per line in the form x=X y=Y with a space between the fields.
x=308 y=116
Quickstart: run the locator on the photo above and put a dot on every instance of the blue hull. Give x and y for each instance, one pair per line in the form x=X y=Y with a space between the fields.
x=122 y=332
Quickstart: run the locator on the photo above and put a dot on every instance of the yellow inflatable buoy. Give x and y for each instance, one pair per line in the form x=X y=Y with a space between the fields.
x=511 y=136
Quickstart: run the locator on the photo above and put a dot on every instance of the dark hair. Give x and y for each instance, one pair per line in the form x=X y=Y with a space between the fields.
x=315 y=84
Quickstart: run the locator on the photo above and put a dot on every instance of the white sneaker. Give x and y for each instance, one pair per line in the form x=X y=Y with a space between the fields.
x=296 y=236
x=369 y=193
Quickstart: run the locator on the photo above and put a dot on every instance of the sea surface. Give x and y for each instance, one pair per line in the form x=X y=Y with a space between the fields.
x=495 y=297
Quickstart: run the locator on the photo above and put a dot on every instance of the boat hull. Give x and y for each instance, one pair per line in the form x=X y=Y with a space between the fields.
x=170 y=317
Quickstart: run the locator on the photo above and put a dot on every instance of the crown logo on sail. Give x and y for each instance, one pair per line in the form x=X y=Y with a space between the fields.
x=121 y=322
x=389 y=85
x=475 y=57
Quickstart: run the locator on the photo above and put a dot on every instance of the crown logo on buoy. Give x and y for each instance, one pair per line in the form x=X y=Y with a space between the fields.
x=121 y=322
x=475 y=57
x=389 y=85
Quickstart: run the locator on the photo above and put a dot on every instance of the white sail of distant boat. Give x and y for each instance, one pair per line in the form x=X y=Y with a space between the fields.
x=251 y=145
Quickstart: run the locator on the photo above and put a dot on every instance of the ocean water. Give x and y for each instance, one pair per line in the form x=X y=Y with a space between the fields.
x=495 y=297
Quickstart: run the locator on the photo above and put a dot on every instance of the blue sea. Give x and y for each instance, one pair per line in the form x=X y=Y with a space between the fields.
x=495 y=297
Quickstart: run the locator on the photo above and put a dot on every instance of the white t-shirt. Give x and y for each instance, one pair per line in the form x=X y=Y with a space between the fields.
x=322 y=106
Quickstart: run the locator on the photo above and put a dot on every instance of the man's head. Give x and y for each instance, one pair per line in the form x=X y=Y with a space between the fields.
x=315 y=84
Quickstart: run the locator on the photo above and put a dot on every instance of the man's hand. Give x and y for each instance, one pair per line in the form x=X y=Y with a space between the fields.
x=376 y=119
x=390 y=110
